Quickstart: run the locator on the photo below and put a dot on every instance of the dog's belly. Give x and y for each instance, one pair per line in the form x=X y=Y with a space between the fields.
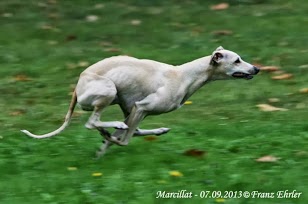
x=152 y=101
x=127 y=100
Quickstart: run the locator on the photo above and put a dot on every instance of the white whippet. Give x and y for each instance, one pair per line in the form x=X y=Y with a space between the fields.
x=145 y=87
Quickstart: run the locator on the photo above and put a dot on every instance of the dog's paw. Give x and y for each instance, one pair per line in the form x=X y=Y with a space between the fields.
x=161 y=131
x=89 y=126
x=120 y=125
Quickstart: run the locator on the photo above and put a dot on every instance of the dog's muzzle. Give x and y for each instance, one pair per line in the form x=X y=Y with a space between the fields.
x=245 y=75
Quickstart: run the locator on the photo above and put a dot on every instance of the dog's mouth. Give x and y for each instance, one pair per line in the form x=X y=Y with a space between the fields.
x=242 y=75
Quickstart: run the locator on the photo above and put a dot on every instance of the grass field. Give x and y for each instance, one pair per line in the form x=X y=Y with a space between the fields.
x=44 y=45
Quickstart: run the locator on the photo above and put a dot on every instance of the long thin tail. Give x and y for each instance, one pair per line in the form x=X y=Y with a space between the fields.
x=63 y=126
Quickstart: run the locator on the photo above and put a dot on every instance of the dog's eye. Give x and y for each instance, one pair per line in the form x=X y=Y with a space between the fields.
x=237 y=61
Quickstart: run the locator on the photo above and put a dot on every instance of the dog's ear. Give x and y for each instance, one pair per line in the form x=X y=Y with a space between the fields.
x=219 y=48
x=216 y=58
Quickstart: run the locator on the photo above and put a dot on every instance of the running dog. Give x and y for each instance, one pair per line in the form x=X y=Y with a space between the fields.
x=144 y=87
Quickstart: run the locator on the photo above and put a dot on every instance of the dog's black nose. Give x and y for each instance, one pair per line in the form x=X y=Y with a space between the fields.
x=256 y=69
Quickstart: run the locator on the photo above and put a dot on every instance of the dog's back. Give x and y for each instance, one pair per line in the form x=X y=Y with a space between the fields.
x=129 y=73
x=118 y=62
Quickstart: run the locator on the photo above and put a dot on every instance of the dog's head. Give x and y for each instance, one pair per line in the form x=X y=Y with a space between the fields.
x=228 y=64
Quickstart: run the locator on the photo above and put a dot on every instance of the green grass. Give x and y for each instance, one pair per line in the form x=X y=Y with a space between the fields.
x=223 y=120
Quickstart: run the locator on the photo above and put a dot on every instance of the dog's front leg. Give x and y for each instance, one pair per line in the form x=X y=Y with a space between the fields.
x=103 y=148
x=122 y=137
x=138 y=133
x=106 y=144
x=135 y=117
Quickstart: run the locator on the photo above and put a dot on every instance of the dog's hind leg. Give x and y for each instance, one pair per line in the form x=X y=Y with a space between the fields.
x=95 y=123
x=118 y=133
x=122 y=136
x=96 y=92
x=158 y=131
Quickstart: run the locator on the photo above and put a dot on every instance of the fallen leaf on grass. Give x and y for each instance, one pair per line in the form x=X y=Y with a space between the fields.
x=188 y=102
x=17 y=112
x=71 y=65
x=279 y=72
x=194 y=153
x=112 y=49
x=301 y=154
x=220 y=200
x=53 y=15
x=7 y=15
x=99 y=6
x=52 y=42
x=83 y=63
x=162 y=182
x=222 y=32
x=72 y=168
x=150 y=138
x=21 y=77
x=267 y=158
x=52 y=1
x=257 y=64
x=70 y=38
x=269 y=68
x=42 y=4
x=106 y=44
x=269 y=108
x=273 y=100
x=218 y=7
x=304 y=66
x=282 y=76
x=46 y=27
x=97 y=174
x=175 y=173
x=303 y=90
x=92 y=18
x=78 y=113
x=155 y=10
x=135 y=22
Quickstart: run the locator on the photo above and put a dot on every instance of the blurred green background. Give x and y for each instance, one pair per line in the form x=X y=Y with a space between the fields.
x=215 y=142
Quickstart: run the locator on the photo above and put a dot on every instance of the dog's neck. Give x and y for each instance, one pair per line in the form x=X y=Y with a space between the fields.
x=195 y=74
